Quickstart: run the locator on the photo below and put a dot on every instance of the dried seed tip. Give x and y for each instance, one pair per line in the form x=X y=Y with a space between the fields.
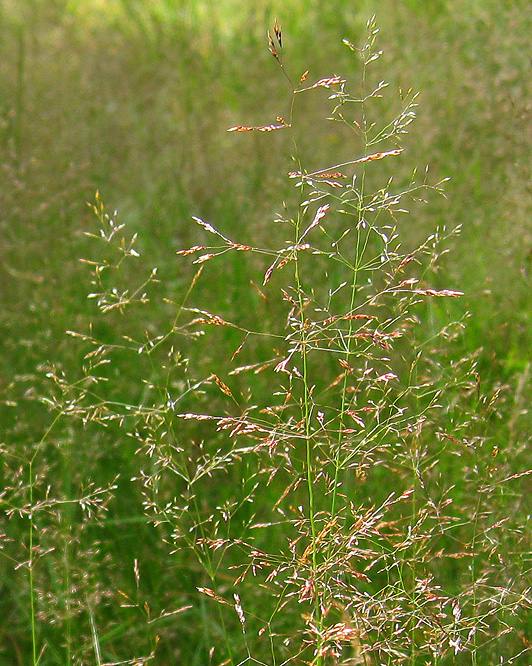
x=262 y=128
x=326 y=83
x=240 y=128
x=204 y=258
x=386 y=377
x=271 y=128
x=281 y=366
x=210 y=593
x=337 y=174
x=278 y=34
x=442 y=292
x=196 y=417
x=322 y=83
x=304 y=76
x=191 y=250
x=378 y=156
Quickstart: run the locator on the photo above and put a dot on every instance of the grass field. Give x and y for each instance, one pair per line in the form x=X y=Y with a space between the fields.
x=305 y=440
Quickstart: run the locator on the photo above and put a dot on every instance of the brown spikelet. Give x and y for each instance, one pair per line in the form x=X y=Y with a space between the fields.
x=278 y=263
x=386 y=377
x=356 y=418
x=404 y=262
x=240 y=128
x=326 y=178
x=261 y=128
x=271 y=46
x=222 y=386
x=210 y=593
x=347 y=317
x=326 y=83
x=278 y=33
x=215 y=320
x=441 y=292
x=238 y=349
x=260 y=293
x=322 y=83
x=204 y=258
x=336 y=174
x=378 y=156
x=191 y=250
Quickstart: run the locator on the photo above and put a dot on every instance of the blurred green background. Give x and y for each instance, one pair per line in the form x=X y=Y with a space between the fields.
x=133 y=98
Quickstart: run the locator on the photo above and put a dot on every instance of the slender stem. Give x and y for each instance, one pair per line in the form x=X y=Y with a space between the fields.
x=31 y=560
x=31 y=577
x=306 y=405
x=359 y=253
x=307 y=415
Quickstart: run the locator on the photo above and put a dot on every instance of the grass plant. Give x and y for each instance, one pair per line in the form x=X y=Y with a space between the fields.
x=277 y=447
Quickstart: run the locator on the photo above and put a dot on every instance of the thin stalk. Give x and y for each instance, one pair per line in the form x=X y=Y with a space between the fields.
x=415 y=483
x=31 y=577
x=307 y=414
x=474 y=599
x=359 y=254
x=307 y=408
x=31 y=560
x=94 y=634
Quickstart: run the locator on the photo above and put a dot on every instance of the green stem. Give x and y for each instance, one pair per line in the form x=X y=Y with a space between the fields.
x=359 y=253
x=31 y=560
x=307 y=415
x=31 y=577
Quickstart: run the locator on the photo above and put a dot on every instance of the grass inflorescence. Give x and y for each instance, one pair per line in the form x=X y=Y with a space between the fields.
x=297 y=464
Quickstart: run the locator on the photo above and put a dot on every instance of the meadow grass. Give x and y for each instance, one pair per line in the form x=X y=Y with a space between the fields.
x=282 y=480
